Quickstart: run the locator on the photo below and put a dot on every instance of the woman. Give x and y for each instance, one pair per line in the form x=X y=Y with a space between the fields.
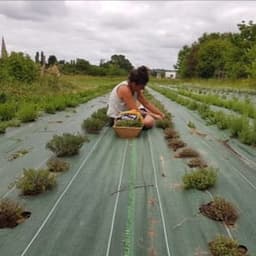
x=126 y=94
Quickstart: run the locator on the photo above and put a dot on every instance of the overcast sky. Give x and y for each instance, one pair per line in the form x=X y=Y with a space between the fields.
x=147 y=32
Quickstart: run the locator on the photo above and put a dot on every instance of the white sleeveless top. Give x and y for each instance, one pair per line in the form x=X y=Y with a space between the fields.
x=115 y=104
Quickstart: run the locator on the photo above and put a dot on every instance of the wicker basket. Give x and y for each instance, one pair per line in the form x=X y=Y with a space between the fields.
x=127 y=132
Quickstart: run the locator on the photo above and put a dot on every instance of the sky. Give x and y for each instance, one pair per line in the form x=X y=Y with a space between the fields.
x=147 y=33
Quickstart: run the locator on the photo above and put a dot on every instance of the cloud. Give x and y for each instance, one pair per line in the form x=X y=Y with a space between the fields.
x=146 y=32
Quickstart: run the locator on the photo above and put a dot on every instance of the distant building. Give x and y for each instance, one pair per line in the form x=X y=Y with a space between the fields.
x=162 y=73
x=170 y=74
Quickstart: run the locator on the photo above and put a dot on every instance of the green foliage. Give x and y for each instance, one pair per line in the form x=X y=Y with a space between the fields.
x=164 y=123
x=34 y=182
x=66 y=144
x=27 y=113
x=128 y=123
x=52 y=60
x=18 y=67
x=191 y=124
x=224 y=246
x=55 y=164
x=7 y=111
x=220 y=55
x=10 y=213
x=93 y=125
x=101 y=114
x=201 y=178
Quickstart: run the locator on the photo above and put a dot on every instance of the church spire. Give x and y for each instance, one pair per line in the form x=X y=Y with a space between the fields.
x=4 y=53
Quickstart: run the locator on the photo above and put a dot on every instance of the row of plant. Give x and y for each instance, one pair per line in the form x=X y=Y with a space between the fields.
x=12 y=113
x=34 y=182
x=245 y=108
x=202 y=177
x=239 y=126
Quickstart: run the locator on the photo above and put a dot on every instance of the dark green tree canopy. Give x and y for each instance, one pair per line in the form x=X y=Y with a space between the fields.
x=222 y=55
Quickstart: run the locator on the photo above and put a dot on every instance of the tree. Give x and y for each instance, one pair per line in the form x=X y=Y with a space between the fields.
x=52 y=60
x=20 y=67
x=37 y=57
x=119 y=61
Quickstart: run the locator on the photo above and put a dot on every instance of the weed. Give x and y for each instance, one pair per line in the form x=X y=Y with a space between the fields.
x=34 y=182
x=55 y=164
x=66 y=144
x=221 y=210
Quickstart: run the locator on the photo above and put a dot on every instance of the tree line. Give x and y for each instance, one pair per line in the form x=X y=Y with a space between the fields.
x=220 y=55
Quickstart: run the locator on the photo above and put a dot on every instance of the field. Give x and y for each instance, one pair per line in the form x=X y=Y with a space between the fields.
x=127 y=197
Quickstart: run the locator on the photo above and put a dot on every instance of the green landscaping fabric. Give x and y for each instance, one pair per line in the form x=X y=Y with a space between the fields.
x=124 y=197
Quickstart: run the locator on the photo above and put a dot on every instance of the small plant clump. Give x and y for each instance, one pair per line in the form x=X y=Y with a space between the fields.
x=197 y=162
x=34 y=182
x=176 y=144
x=55 y=164
x=128 y=123
x=93 y=125
x=223 y=245
x=170 y=133
x=220 y=210
x=164 y=123
x=27 y=113
x=201 y=179
x=66 y=144
x=187 y=152
x=11 y=213
x=191 y=124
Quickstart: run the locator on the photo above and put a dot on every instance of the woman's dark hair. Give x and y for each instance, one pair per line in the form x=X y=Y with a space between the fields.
x=139 y=75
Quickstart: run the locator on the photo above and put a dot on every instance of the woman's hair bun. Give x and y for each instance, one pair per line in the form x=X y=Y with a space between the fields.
x=139 y=75
x=143 y=69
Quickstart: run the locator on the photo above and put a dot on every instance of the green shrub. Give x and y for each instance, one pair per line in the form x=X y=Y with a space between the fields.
x=10 y=213
x=164 y=123
x=2 y=128
x=34 y=182
x=27 y=113
x=66 y=144
x=191 y=124
x=7 y=111
x=236 y=125
x=50 y=107
x=224 y=246
x=93 y=125
x=55 y=164
x=201 y=178
x=101 y=114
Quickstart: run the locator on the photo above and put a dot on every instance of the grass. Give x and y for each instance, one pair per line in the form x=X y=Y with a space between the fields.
x=241 y=84
x=49 y=95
